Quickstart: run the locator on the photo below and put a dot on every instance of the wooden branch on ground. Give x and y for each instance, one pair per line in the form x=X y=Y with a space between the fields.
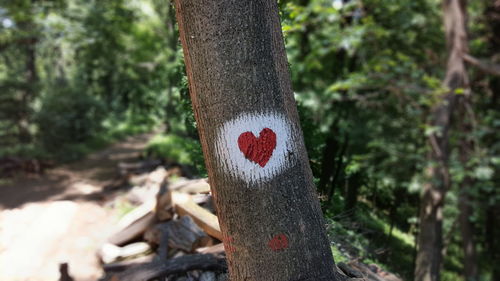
x=373 y=274
x=349 y=271
x=184 y=205
x=134 y=224
x=485 y=66
x=138 y=167
x=183 y=234
x=123 y=265
x=164 y=203
x=110 y=253
x=192 y=186
x=147 y=185
x=149 y=271
x=215 y=249
x=366 y=271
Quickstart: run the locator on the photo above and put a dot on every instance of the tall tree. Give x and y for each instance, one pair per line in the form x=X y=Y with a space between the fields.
x=18 y=106
x=253 y=145
x=430 y=237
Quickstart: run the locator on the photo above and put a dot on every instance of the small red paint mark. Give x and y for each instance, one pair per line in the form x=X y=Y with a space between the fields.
x=278 y=242
x=228 y=245
x=258 y=150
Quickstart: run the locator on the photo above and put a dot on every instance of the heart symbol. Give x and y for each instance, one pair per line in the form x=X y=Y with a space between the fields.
x=258 y=150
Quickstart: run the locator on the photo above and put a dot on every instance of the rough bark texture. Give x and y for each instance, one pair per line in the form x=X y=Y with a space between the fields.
x=236 y=63
x=430 y=240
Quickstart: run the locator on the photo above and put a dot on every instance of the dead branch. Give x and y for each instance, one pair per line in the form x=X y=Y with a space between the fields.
x=485 y=66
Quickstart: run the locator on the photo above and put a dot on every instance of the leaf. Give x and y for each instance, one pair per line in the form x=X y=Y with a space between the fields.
x=483 y=173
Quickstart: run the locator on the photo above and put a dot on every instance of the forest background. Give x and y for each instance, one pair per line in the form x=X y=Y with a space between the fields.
x=368 y=76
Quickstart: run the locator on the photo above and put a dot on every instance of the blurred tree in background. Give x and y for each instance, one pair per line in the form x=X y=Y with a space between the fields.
x=368 y=75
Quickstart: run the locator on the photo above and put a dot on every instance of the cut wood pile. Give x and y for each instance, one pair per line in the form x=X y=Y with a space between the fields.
x=173 y=232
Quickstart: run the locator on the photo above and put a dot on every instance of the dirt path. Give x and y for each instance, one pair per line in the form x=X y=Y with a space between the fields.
x=60 y=216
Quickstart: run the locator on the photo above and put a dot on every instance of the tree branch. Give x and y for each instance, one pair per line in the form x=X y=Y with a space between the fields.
x=485 y=66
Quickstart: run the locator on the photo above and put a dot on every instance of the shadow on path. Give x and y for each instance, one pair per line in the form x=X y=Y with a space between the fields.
x=59 y=217
x=73 y=181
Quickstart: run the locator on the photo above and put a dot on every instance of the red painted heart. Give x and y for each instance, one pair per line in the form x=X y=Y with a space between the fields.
x=258 y=150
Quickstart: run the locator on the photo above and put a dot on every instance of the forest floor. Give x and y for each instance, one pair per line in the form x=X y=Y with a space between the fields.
x=61 y=216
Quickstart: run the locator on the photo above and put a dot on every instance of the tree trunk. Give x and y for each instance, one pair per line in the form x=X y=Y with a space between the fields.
x=328 y=158
x=172 y=44
x=31 y=79
x=430 y=238
x=466 y=151
x=253 y=146
x=353 y=184
x=338 y=169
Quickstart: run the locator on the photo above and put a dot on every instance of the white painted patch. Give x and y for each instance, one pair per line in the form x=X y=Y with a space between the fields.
x=234 y=161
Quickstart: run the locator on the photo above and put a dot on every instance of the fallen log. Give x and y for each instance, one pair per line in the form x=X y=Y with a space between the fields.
x=122 y=265
x=192 y=186
x=207 y=276
x=110 y=253
x=158 y=269
x=138 y=167
x=163 y=206
x=151 y=186
x=202 y=198
x=366 y=271
x=183 y=234
x=349 y=271
x=215 y=249
x=134 y=224
x=184 y=205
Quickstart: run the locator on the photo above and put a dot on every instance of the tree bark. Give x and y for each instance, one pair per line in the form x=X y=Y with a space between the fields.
x=31 y=79
x=240 y=88
x=172 y=44
x=328 y=159
x=485 y=66
x=430 y=240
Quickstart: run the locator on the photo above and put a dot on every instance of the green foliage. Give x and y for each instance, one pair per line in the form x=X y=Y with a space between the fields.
x=368 y=236
x=77 y=75
x=177 y=150
x=369 y=72
x=85 y=74
x=67 y=117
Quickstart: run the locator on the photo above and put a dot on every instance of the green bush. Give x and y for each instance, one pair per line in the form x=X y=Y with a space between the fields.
x=177 y=149
x=68 y=118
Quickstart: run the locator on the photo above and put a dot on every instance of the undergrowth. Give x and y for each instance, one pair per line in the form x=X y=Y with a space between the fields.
x=113 y=129
x=181 y=150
